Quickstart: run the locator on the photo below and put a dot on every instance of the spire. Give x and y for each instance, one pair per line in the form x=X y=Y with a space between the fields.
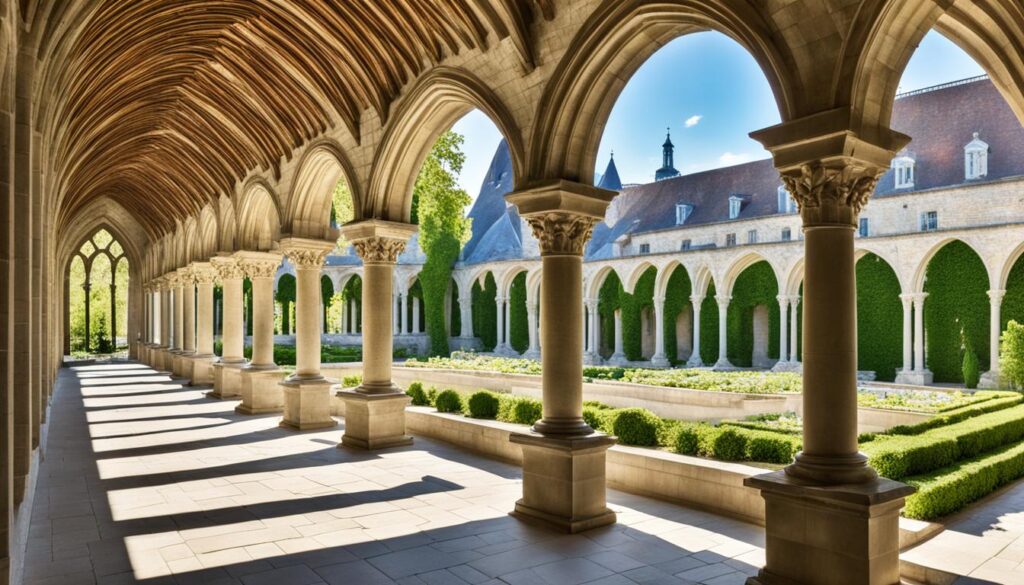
x=668 y=139
x=610 y=180
x=668 y=169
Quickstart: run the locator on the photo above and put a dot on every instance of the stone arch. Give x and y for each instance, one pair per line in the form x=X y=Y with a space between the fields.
x=436 y=102
x=533 y=279
x=738 y=265
x=612 y=44
x=204 y=244
x=795 y=278
x=917 y=284
x=320 y=169
x=259 y=218
x=597 y=281
x=189 y=235
x=227 y=224
x=702 y=279
x=665 y=274
x=1011 y=261
x=629 y=285
x=509 y=275
x=883 y=45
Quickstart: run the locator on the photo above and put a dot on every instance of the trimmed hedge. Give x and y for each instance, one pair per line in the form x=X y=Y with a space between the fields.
x=519 y=409
x=634 y=426
x=950 y=489
x=734 y=443
x=1001 y=400
x=897 y=457
x=448 y=401
x=483 y=404
x=419 y=397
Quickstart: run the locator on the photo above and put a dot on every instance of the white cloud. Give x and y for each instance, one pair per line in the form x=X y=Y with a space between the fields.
x=693 y=121
x=729 y=159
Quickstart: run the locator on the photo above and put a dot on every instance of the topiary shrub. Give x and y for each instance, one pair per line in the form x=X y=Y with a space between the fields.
x=483 y=404
x=970 y=369
x=724 y=444
x=448 y=401
x=1011 y=356
x=770 y=447
x=634 y=426
x=594 y=417
x=519 y=409
x=419 y=397
x=687 y=439
x=432 y=394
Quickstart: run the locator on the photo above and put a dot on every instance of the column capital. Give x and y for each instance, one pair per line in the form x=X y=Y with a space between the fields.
x=831 y=193
x=227 y=268
x=696 y=300
x=377 y=241
x=258 y=264
x=562 y=214
x=794 y=300
x=996 y=295
x=723 y=300
x=500 y=299
x=920 y=297
x=171 y=280
x=203 y=272
x=306 y=254
x=784 y=300
x=186 y=276
x=659 y=300
x=591 y=303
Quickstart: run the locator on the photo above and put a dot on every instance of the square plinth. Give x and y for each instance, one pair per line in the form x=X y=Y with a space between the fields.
x=374 y=421
x=307 y=404
x=261 y=390
x=564 y=481
x=227 y=380
x=830 y=535
x=201 y=369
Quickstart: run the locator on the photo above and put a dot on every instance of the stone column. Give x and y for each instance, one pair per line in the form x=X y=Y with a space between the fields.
x=259 y=380
x=507 y=343
x=990 y=379
x=783 y=325
x=592 y=355
x=188 y=348
x=307 y=398
x=403 y=329
x=375 y=410
x=921 y=373
x=908 y=333
x=696 y=301
x=532 y=352
x=794 y=354
x=466 y=319
x=164 y=357
x=345 y=305
x=227 y=381
x=415 y=315
x=563 y=458
x=618 y=353
x=659 y=359
x=829 y=520
x=723 y=362
x=202 y=362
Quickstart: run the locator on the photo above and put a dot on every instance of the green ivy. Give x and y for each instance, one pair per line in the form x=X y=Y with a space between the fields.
x=956 y=310
x=456 y=322
x=326 y=294
x=353 y=290
x=755 y=286
x=285 y=296
x=485 y=313
x=1013 y=302
x=677 y=300
x=519 y=328
x=709 y=327
x=609 y=300
x=879 y=318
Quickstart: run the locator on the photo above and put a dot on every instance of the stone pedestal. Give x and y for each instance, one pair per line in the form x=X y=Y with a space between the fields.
x=989 y=380
x=307 y=404
x=787 y=366
x=592 y=359
x=201 y=371
x=227 y=380
x=374 y=421
x=564 y=481
x=834 y=535
x=660 y=361
x=260 y=389
x=915 y=378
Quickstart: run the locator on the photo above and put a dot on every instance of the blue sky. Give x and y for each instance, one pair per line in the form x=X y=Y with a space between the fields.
x=711 y=93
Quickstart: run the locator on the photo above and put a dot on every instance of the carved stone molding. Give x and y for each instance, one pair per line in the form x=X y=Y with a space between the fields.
x=203 y=273
x=306 y=254
x=379 y=249
x=560 y=233
x=258 y=268
x=831 y=194
x=227 y=268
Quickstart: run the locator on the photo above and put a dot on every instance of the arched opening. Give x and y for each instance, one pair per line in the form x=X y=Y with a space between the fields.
x=485 y=311
x=1013 y=301
x=351 y=303
x=518 y=324
x=879 y=314
x=753 y=317
x=609 y=304
x=956 y=311
x=326 y=298
x=678 y=315
x=97 y=300
x=284 y=311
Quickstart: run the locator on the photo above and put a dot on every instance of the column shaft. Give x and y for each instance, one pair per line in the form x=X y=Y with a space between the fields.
x=189 y=316
x=783 y=326
x=794 y=354
x=179 y=316
x=466 y=317
x=995 y=328
x=378 y=344
x=263 y=320
x=404 y=328
x=499 y=342
x=618 y=333
x=908 y=332
x=723 y=331
x=561 y=299
x=696 y=302
x=204 y=326
x=919 y=365
x=415 y=315
x=232 y=337
x=531 y=318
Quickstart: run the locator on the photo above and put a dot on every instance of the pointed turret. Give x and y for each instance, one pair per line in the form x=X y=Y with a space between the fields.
x=610 y=180
x=668 y=169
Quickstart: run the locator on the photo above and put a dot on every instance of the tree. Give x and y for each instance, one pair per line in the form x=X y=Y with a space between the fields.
x=438 y=205
x=342 y=209
x=1011 y=355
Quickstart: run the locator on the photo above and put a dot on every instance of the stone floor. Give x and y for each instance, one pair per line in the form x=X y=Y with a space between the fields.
x=147 y=481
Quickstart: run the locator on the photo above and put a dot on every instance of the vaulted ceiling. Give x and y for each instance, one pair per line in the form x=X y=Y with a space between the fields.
x=163 y=104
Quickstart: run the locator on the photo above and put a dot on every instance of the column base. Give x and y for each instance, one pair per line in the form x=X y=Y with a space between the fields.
x=989 y=381
x=787 y=366
x=166 y=359
x=914 y=377
x=618 y=359
x=592 y=359
x=307 y=403
x=227 y=380
x=260 y=390
x=374 y=421
x=660 y=361
x=532 y=354
x=834 y=535
x=564 y=481
x=503 y=350
x=182 y=364
x=202 y=369
x=723 y=364
x=694 y=361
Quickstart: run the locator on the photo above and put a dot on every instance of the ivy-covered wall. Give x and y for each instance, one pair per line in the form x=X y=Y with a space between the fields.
x=1013 y=302
x=485 y=313
x=608 y=301
x=677 y=299
x=285 y=296
x=879 y=318
x=455 y=325
x=519 y=328
x=612 y=297
x=956 y=312
x=756 y=285
x=709 y=327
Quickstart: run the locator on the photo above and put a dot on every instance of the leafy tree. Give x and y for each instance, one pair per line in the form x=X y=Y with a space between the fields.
x=286 y=297
x=438 y=205
x=101 y=342
x=342 y=209
x=1011 y=355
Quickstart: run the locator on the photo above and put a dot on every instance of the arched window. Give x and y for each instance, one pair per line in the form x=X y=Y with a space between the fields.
x=98 y=296
x=975 y=159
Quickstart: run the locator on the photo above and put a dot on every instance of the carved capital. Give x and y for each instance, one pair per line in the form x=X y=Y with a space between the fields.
x=832 y=193
x=203 y=273
x=560 y=233
x=306 y=254
x=257 y=268
x=227 y=268
x=172 y=280
x=379 y=249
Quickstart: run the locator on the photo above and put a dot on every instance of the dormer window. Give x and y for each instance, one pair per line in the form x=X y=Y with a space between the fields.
x=683 y=211
x=904 y=172
x=735 y=205
x=786 y=204
x=975 y=159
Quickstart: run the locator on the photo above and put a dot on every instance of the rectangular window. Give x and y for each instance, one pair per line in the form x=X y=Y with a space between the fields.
x=735 y=205
x=929 y=221
x=752 y=237
x=683 y=211
x=787 y=235
x=865 y=228
x=645 y=248
x=730 y=239
x=685 y=245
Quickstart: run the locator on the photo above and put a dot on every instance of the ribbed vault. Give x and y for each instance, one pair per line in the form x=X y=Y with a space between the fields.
x=165 y=104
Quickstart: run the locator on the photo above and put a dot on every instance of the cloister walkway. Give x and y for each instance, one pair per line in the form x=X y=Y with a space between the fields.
x=148 y=481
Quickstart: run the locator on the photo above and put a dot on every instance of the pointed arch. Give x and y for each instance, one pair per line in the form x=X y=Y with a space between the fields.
x=322 y=166
x=629 y=285
x=259 y=218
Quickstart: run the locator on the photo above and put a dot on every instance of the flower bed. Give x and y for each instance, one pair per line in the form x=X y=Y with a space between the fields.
x=919 y=400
